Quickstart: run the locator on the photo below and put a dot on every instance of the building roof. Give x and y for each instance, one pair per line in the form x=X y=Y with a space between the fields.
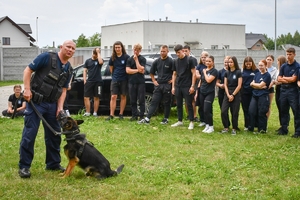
x=24 y=28
x=253 y=38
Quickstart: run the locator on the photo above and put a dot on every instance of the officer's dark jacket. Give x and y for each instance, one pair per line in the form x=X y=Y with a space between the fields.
x=47 y=83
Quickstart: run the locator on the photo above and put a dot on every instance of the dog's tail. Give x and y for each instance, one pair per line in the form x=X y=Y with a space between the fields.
x=119 y=169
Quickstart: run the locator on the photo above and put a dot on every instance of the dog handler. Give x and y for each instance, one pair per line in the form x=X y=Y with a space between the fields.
x=47 y=90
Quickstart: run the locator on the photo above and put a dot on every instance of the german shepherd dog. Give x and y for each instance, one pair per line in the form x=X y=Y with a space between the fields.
x=81 y=152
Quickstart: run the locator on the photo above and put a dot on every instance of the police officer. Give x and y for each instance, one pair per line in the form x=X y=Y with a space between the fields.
x=162 y=86
x=47 y=91
x=289 y=93
x=260 y=102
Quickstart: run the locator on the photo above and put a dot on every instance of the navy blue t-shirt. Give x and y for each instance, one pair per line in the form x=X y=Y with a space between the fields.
x=258 y=78
x=94 y=70
x=248 y=75
x=119 y=67
x=42 y=61
x=200 y=68
x=288 y=70
x=233 y=78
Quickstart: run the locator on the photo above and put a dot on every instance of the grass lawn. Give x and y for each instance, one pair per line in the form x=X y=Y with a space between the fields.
x=162 y=162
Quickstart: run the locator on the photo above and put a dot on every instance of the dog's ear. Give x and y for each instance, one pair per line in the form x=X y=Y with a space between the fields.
x=79 y=121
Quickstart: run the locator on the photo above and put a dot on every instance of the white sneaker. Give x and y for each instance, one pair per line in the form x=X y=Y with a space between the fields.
x=95 y=115
x=245 y=129
x=86 y=114
x=177 y=124
x=202 y=124
x=206 y=128
x=191 y=126
x=210 y=129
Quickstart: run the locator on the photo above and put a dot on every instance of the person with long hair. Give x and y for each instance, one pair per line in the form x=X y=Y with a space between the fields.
x=280 y=61
x=260 y=102
x=206 y=95
x=232 y=99
x=117 y=67
x=199 y=69
x=274 y=73
x=248 y=73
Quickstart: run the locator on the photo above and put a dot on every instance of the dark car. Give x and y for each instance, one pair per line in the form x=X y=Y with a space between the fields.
x=75 y=95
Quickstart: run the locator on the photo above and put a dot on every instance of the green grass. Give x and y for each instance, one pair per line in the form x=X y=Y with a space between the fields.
x=161 y=163
x=6 y=83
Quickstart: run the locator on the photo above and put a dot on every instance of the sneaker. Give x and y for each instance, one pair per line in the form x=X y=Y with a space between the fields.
x=143 y=121
x=225 y=130
x=133 y=118
x=262 y=131
x=109 y=118
x=233 y=132
x=86 y=114
x=245 y=129
x=196 y=119
x=95 y=115
x=206 y=128
x=24 y=173
x=177 y=124
x=164 y=121
x=121 y=117
x=202 y=124
x=191 y=126
x=210 y=129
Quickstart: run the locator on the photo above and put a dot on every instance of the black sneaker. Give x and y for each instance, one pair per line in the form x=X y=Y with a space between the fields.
x=24 y=173
x=143 y=121
x=59 y=168
x=133 y=118
x=296 y=135
x=109 y=118
x=121 y=117
x=196 y=119
x=164 y=121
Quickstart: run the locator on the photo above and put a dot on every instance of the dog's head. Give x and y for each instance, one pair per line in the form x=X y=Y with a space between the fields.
x=68 y=124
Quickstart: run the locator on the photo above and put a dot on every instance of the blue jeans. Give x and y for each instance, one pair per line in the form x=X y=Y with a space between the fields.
x=30 y=130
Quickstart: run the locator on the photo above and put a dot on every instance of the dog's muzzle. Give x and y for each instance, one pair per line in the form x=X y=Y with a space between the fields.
x=62 y=118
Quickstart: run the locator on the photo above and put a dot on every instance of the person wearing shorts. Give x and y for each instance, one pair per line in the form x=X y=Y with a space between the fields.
x=92 y=81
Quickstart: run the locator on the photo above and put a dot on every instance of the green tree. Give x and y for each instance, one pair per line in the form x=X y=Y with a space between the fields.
x=95 y=40
x=269 y=43
x=297 y=39
x=82 y=41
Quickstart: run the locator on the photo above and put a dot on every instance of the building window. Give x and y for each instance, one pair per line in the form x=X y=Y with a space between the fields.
x=258 y=45
x=225 y=46
x=6 y=41
x=214 y=46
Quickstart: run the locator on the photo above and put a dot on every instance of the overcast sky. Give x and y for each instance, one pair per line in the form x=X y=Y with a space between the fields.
x=59 y=20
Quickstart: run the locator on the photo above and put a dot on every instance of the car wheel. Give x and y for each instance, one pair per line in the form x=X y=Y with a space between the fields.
x=148 y=99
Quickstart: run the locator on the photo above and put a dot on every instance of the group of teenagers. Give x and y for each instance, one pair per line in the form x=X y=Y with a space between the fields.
x=194 y=85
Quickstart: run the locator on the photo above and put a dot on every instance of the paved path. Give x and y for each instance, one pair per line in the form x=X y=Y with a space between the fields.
x=5 y=91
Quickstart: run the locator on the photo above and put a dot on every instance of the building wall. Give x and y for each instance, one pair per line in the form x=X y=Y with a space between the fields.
x=152 y=34
x=17 y=38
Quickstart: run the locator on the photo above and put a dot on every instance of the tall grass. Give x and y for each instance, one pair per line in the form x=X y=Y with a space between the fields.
x=161 y=162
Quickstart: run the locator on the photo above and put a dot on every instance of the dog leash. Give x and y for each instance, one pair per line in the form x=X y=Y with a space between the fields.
x=43 y=119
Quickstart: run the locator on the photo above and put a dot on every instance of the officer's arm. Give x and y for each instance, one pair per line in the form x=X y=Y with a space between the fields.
x=61 y=100
x=26 y=80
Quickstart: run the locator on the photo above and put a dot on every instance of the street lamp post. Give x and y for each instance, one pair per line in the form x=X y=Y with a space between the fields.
x=275 y=43
x=37 y=31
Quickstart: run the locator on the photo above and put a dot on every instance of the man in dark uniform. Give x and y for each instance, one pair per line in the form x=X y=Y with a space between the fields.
x=47 y=90
x=135 y=67
x=289 y=93
x=183 y=85
x=162 y=86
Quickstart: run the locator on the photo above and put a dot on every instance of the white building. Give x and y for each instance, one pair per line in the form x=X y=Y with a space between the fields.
x=153 y=34
x=15 y=35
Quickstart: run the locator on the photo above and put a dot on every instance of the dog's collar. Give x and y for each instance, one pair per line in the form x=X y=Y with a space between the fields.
x=75 y=132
